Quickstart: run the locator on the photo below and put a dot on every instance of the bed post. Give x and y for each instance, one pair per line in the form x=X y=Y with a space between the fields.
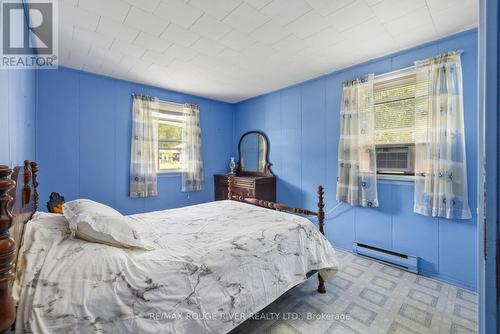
x=34 y=181
x=7 y=252
x=230 y=187
x=321 y=223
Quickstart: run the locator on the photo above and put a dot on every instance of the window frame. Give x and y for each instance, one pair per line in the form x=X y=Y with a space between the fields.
x=386 y=80
x=166 y=108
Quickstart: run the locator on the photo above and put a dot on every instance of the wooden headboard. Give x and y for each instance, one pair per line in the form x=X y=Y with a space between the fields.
x=18 y=202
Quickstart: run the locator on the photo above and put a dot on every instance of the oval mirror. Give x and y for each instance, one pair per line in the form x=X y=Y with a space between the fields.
x=252 y=149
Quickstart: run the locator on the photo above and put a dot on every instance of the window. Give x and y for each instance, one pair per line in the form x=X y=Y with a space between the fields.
x=169 y=117
x=394 y=107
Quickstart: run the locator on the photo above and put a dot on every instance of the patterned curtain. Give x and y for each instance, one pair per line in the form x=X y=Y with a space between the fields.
x=357 y=171
x=143 y=157
x=440 y=162
x=192 y=174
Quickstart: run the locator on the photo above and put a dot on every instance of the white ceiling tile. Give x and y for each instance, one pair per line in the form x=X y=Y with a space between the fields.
x=326 y=7
x=325 y=37
x=105 y=54
x=290 y=44
x=209 y=27
x=178 y=12
x=457 y=18
x=147 y=5
x=365 y=31
x=415 y=36
x=158 y=58
x=417 y=18
x=179 y=35
x=145 y=21
x=374 y=2
x=207 y=62
x=116 y=29
x=308 y=24
x=258 y=4
x=69 y=16
x=91 y=37
x=208 y=47
x=151 y=42
x=127 y=49
x=219 y=9
x=237 y=40
x=229 y=56
x=270 y=33
x=389 y=10
x=160 y=71
x=351 y=15
x=129 y=62
x=180 y=52
x=258 y=50
x=245 y=18
x=383 y=45
x=286 y=11
x=439 y=5
x=115 y=9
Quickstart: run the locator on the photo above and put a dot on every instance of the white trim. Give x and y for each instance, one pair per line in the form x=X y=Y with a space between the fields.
x=392 y=177
x=395 y=74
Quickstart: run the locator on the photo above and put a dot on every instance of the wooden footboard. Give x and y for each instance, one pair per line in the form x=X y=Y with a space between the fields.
x=320 y=214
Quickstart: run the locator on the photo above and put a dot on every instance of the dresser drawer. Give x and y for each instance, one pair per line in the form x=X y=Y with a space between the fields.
x=243 y=183
x=249 y=187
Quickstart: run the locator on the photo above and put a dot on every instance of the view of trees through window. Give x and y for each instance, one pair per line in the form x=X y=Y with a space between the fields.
x=169 y=146
x=395 y=114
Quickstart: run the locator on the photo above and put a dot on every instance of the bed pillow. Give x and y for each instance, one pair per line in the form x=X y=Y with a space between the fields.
x=96 y=222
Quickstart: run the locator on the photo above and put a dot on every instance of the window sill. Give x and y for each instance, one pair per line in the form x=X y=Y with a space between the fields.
x=167 y=173
x=386 y=178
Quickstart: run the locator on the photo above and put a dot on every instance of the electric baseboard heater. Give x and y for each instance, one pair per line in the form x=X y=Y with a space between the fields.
x=398 y=260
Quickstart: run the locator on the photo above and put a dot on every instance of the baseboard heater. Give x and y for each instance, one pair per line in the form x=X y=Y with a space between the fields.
x=398 y=260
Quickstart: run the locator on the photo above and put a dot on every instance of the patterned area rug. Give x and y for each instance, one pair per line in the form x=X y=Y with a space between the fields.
x=367 y=297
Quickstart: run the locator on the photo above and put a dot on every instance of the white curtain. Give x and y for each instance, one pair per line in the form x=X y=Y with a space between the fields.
x=192 y=174
x=143 y=157
x=357 y=169
x=440 y=162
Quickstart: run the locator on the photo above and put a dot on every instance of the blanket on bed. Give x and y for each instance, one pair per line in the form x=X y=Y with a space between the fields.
x=213 y=265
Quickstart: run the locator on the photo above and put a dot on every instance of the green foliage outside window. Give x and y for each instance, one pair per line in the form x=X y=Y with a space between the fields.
x=169 y=146
x=395 y=115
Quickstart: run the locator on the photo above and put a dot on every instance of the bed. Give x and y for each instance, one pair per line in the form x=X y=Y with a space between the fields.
x=212 y=265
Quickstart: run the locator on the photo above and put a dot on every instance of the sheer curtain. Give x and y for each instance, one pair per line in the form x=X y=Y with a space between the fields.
x=192 y=174
x=440 y=161
x=357 y=170
x=144 y=147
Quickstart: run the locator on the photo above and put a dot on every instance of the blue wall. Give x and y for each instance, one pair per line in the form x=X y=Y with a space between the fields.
x=17 y=110
x=83 y=126
x=302 y=123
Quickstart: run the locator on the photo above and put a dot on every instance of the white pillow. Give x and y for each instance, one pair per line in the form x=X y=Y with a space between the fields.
x=96 y=222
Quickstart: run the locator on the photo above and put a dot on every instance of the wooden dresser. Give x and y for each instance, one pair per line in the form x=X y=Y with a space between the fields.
x=261 y=187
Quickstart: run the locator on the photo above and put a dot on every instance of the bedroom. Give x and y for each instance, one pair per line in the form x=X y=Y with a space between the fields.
x=175 y=152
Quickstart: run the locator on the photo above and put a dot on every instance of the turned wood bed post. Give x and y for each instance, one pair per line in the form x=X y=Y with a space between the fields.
x=7 y=252
x=321 y=223
x=230 y=187
x=34 y=181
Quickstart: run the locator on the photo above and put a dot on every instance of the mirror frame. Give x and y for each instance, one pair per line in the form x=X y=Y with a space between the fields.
x=267 y=165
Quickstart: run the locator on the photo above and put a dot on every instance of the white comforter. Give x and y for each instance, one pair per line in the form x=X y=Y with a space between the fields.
x=213 y=265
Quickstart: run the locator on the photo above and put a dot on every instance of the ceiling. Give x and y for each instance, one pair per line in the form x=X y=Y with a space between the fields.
x=232 y=50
